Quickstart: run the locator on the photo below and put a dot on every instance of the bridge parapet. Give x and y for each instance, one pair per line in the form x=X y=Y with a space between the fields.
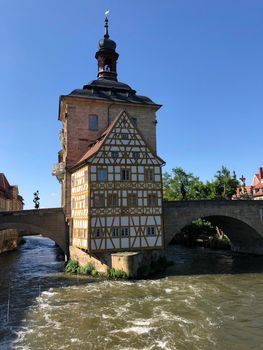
x=214 y=203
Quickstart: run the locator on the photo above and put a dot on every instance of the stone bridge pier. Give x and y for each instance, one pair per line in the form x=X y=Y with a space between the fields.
x=50 y=223
x=242 y=221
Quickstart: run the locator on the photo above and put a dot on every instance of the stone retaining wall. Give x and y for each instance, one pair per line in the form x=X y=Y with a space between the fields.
x=9 y=240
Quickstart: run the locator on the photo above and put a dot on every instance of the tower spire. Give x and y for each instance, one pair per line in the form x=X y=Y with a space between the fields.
x=106 y=26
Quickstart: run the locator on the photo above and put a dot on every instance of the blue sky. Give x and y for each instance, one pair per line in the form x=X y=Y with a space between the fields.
x=200 y=59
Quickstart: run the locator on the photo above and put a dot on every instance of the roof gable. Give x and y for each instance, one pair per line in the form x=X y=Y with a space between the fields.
x=121 y=137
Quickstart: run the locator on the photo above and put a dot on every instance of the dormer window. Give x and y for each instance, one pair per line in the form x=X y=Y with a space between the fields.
x=93 y=122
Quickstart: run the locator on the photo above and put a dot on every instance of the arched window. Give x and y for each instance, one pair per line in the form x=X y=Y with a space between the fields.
x=107 y=65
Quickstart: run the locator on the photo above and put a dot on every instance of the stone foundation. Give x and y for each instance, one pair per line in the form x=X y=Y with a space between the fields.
x=9 y=240
x=129 y=262
x=100 y=262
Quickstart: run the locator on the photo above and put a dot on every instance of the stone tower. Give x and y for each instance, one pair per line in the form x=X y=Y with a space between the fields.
x=108 y=166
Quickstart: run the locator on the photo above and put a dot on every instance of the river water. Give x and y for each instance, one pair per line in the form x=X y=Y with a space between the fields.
x=206 y=300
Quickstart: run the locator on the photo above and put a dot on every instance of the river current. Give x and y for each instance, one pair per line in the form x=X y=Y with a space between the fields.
x=206 y=300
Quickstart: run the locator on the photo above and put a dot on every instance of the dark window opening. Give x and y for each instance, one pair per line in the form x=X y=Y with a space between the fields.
x=93 y=122
x=125 y=174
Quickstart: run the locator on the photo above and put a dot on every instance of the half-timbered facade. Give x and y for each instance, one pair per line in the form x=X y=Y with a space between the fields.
x=117 y=192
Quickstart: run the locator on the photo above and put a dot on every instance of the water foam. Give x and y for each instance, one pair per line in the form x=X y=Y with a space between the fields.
x=135 y=329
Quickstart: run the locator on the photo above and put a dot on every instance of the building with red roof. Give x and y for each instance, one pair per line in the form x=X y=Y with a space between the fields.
x=256 y=187
x=253 y=191
x=108 y=167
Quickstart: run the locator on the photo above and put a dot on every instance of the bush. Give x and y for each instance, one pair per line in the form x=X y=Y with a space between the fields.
x=94 y=272
x=72 y=266
x=113 y=273
x=86 y=269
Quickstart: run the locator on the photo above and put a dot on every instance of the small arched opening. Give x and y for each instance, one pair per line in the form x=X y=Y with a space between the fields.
x=107 y=65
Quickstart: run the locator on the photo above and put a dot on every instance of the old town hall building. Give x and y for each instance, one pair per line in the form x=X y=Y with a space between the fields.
x=108 y=167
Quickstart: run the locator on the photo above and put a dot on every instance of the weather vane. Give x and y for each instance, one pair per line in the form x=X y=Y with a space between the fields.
x=106 y=35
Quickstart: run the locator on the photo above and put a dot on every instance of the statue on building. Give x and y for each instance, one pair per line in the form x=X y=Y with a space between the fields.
x=243 y=185
x=36 y=200
x=243 y=192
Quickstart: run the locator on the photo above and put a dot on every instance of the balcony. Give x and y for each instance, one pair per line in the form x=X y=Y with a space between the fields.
x=59 y=171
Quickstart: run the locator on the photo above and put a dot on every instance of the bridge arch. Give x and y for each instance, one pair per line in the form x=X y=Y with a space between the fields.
x=32 y=230
x=243 y=237
x=50 y=223
x=240 y=220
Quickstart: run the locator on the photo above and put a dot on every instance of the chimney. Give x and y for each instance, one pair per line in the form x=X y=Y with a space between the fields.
x=260 y=173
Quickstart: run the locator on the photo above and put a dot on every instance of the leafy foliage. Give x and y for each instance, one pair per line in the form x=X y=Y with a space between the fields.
x=225 y=185
x=86 y=269
x=73 y=267
x=202 y=232
x=180 y=185
x=113 y=273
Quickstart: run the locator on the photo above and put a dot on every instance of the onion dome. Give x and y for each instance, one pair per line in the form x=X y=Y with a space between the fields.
x=107 y=56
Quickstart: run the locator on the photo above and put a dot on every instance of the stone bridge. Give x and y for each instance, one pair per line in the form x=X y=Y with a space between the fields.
x=242 y=221
x=50 y=223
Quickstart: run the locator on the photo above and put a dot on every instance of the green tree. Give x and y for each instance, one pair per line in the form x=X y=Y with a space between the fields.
x=181 y=185
x=224 y=185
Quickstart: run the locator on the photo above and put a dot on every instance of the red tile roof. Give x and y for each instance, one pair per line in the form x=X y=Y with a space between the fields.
x=94 y=148
x=260 y=185
x=96 y=145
